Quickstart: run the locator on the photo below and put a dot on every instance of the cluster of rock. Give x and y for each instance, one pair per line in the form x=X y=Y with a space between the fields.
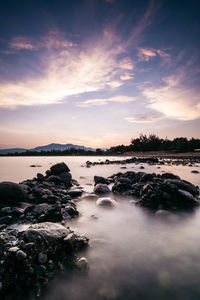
x=32 y=247
x=42 y=199
x=30 y=257
x=155 y=192
x=136 y=160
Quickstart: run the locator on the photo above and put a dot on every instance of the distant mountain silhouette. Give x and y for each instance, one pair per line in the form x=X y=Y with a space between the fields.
x=50 y=147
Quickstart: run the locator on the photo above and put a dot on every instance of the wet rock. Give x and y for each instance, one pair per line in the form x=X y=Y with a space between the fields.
x=59 y=168
x=82 y=264
x=163 y=213
x=11 y=193
x=106 y=201
x=73 y=193
x=47 y=231
x=101 y=189
x=100 y=179
x=154 y=191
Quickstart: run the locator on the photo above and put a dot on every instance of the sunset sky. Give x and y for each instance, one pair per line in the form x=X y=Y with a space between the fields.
x=98 y=72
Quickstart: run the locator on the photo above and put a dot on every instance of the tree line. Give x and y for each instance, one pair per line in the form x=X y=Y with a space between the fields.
x=142 y=143
x=154 y=143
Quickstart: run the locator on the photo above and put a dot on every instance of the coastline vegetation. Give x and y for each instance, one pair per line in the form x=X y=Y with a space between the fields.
x=143 y=143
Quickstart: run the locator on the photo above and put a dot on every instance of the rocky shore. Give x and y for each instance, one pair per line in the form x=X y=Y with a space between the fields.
x=184 y=161
x=152 y=191
x=34 y=240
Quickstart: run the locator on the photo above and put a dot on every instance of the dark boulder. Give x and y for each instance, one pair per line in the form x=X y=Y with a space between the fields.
x=66 y=178
x=59 y=168
x=100 y=179
x=101 y=189
x=11 y=193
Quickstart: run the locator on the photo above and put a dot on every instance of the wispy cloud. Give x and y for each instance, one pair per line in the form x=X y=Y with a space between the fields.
x=175 y=99
x=143 y=118
x=53 y=40
x=70 y=70
x=103 y=101
x=145 y=54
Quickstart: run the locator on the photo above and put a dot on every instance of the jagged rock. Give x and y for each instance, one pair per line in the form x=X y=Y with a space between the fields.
x=59 y=168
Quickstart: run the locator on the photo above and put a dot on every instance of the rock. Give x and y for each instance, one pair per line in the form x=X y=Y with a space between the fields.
x=11 y=193
x=47 y=231
x=82 y=264
x=40 y=176
x=155 y=191
x=100 y=179
x=42 y=208
x=195 y=172
x=55 y=179
x=169 y=176
x=186 y=195
x=66 y=178
x=21 y=255
x=42 y=258
x=101 y=189
x=75 y=193
x=90 y=196
x=59 y=168
x=163 y=213
x=6 y=220
x=106 y=201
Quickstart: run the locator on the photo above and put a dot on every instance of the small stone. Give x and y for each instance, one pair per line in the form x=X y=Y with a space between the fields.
x=106 y=201
x=21 y=255
x=42 y=258
x=82 y=264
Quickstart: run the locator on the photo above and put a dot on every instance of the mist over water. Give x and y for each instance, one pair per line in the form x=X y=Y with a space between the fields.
x=133 y=254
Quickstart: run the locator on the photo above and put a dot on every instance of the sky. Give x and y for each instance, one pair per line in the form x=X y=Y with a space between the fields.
x=98 y=72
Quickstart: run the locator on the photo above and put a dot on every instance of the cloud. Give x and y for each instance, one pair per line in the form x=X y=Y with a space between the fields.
x=19 y=43
x=53 y=40
x=126 y=64
x=141 y=118
x=145 y=54
x=174 y=99
x=103 y=101
x=69 y=70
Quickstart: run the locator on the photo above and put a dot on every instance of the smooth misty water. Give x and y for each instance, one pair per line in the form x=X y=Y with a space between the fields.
x=132 y=254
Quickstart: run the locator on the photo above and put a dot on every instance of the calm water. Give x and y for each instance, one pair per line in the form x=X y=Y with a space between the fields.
x=132 y=255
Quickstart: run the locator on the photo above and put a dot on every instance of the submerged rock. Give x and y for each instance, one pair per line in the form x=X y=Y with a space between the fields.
x=106 y=201
x=82 y=264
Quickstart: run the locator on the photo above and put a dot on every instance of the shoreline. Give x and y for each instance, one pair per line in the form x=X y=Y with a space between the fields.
x=158 y=154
